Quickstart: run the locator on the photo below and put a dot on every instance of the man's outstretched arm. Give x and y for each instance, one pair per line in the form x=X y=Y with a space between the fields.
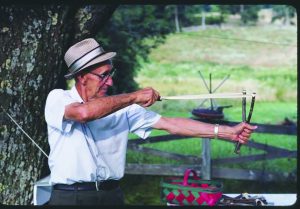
x=189 y=127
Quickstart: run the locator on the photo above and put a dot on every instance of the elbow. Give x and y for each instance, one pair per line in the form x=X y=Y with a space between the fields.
x=77 y=112
x=167 y=124
x=83 y=115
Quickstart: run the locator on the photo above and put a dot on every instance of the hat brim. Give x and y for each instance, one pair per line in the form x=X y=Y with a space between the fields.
x=97 y=60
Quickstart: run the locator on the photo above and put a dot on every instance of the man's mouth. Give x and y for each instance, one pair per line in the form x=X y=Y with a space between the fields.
x=103 y=89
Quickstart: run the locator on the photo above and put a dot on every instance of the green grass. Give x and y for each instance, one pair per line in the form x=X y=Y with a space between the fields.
x=223 y=46
x=264 y=111
x=270 y=70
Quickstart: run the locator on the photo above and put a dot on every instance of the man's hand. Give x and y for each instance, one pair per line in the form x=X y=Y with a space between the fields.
x=242 y=132
x=146 y=97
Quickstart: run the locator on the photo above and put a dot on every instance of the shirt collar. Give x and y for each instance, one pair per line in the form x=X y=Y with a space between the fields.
x=75 y=95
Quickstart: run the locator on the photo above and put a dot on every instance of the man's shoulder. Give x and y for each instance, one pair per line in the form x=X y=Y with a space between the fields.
x=57 y=91
x=54 y=93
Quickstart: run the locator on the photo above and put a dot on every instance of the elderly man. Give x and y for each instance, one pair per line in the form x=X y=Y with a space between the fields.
x=88 y=131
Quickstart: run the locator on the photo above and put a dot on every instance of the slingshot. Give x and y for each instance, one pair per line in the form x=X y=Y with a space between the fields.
x=242 y=95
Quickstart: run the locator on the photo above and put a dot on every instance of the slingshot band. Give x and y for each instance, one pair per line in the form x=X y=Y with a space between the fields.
x=205 y=96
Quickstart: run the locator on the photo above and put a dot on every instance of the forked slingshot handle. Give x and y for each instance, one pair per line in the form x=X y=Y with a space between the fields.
x=238 y=144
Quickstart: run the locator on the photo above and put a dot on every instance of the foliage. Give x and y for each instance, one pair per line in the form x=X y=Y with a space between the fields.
x=249 y=15
x=2 y=187
x=285 y=12
x=125 y=34
x=211 y=18
x=187 y=13
x=192 y=14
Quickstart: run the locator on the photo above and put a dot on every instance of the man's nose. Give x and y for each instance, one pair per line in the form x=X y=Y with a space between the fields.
x=109 y=81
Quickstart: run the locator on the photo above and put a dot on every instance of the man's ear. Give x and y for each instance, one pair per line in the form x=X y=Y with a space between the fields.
x=82 y=79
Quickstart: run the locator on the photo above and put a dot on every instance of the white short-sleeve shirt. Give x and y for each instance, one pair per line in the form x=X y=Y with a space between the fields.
x=96 y=150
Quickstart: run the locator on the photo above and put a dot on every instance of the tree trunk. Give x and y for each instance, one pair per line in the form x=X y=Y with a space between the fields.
x=287 y=17
x=33 y=41
x=241 y=8
x=203 y=25
x=176 y=19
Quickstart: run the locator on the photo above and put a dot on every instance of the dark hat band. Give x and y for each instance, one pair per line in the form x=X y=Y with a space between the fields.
x=83 y=60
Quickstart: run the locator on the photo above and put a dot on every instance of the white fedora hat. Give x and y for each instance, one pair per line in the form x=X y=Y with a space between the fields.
x=83 y=54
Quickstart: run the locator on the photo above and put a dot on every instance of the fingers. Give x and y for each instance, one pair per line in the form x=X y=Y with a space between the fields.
x=149 y=103
x=147 y=96
x=157 y=96
x=153 y=97
x=248 y=131
x=248 y=126
x=243 y=132
x=244 y=136
x=243 y=139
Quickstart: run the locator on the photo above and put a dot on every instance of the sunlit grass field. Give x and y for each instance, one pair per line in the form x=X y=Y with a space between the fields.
x=267 y=66
x=258 y=59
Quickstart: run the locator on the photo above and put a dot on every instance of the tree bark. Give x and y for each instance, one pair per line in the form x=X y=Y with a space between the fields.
x=33 y=40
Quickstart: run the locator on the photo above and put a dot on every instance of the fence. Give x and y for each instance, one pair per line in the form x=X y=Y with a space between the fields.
x=204 y=164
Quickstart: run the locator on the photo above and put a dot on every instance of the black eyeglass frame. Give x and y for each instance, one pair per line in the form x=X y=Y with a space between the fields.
x=106 y=74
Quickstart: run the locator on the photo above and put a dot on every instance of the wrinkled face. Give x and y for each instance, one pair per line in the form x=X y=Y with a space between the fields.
x=98 y=80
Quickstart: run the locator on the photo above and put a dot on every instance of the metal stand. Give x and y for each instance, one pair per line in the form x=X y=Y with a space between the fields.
x=213 y=104
x=206 y=159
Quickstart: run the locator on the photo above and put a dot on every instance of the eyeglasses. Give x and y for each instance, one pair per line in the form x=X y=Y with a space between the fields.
x=106 y=74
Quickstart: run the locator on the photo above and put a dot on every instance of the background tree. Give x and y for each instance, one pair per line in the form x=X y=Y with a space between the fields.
x=176 y=19
x=33 y=40
x=131 y=32
x=285 y=12
x=249 y=15
x=203 y=15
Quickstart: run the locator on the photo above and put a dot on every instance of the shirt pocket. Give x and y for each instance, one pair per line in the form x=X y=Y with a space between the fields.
x=109 y=145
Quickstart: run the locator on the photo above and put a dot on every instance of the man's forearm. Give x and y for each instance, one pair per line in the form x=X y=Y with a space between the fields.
x=103 y=106
x=98 y=107
x=189 y=127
